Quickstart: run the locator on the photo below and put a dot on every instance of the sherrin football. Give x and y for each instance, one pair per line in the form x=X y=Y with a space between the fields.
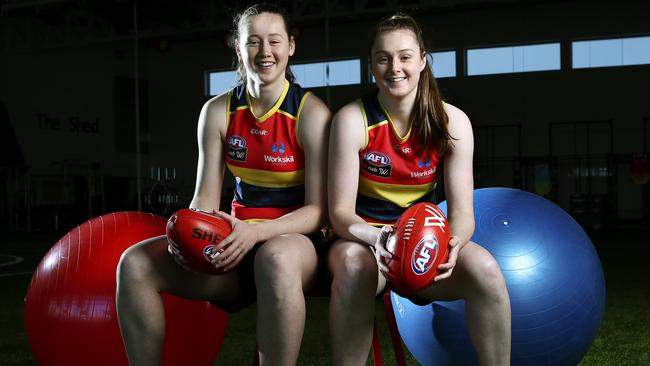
x=193 y=235
x=419 y=243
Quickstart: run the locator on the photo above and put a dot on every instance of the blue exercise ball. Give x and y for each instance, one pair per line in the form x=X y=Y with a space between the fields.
x=553 y=275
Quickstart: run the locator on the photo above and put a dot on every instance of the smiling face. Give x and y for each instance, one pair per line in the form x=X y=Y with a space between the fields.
x=397 y=61
x=264 y=47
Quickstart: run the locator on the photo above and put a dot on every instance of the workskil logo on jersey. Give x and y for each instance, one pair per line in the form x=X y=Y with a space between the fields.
x=277 y=154
x=425 y=164
x=376 y=163
x=236 y=148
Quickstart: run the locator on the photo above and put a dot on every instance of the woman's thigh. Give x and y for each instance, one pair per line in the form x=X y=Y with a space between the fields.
x=149 y=262
x=473 y=263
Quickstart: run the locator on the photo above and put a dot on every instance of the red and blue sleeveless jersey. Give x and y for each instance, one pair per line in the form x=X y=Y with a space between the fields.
x=392 y=175
x=265 y=155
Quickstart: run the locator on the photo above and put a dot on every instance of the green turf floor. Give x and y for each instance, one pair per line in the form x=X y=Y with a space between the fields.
x=623 y=339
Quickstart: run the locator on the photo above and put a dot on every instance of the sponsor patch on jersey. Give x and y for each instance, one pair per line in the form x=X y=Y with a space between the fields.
x=424 y=163
x=406 y=150
x=236 y=148
x=259 y=131
x=278 y=149
x=279 y=159
x=376 y=163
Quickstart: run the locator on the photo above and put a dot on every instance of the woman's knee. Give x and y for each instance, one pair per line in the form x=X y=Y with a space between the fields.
x=285 y=259
x=136 y=265
x=487 y=275
x=352 y=262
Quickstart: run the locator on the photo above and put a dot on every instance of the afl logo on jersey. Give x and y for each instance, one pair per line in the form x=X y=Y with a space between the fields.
x=376 y=163
x=236 y=148
x=424 y=255
x=236 y=142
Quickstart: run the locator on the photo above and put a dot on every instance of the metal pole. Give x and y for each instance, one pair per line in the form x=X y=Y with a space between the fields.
x=137 y=103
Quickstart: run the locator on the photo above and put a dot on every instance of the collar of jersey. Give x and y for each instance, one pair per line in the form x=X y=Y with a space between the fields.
x=273 y=109
x=392 y=125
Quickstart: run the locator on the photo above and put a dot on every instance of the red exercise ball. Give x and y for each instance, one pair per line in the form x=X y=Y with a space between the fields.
x=419 y=244
x=193 y=235
x=70 y=316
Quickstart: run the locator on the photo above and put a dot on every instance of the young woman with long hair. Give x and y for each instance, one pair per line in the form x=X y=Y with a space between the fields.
x=272 y=135
x=387 y=151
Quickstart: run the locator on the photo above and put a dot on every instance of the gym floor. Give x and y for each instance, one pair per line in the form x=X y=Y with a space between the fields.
x=623 y=339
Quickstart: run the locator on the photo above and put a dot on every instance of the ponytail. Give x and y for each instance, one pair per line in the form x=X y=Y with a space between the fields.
x=429 y=118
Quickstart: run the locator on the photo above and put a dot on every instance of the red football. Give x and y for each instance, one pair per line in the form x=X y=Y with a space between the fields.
x=193 y=235
x=419 y=243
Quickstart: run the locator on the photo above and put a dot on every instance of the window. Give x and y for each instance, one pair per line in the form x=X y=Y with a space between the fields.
x=308 y=75
x=443 y=64
x=502 y=60
x=331 y=73
x=611 y=52
x=220 y=81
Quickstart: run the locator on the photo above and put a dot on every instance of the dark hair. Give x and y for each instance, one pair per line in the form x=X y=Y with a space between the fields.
x=429 y=118
x=241 y=17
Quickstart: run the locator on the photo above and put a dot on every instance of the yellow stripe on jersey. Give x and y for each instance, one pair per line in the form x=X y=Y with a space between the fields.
x=228 y=96
x=365 y=122
x=400 y=194
x=302 y=104
x=280 y=111
x=392 y=124
x=378 y=125
x=273 y=109
x=269 y=179
x=240 y=108
x=229 y=113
